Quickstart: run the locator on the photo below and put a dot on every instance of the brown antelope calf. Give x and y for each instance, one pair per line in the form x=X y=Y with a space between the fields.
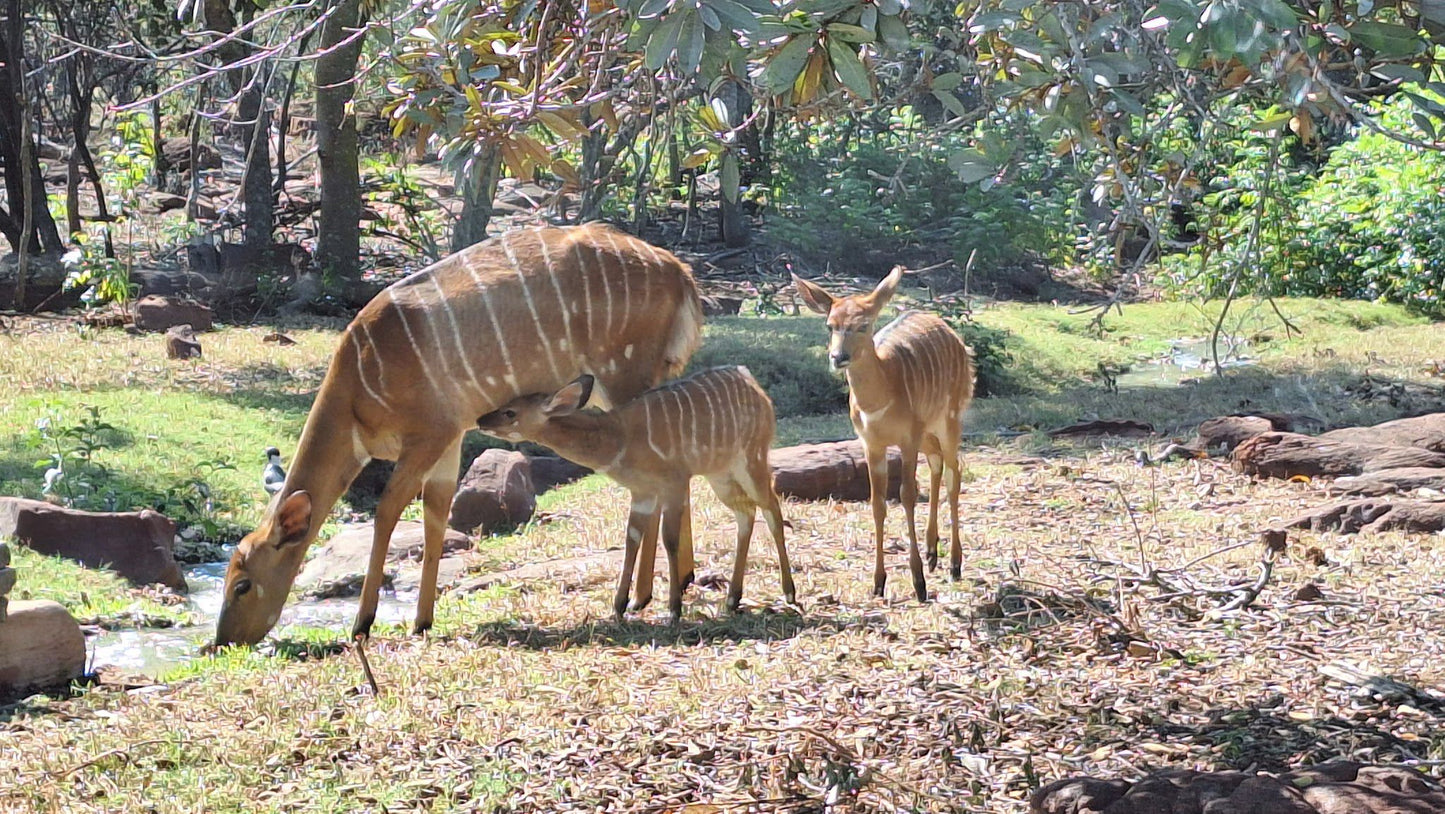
x=908 y=386
x=717 y=423
x=524 y=312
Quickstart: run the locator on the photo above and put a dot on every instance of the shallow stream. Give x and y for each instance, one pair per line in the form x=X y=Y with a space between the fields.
x=154 y=651
x=1186 y=359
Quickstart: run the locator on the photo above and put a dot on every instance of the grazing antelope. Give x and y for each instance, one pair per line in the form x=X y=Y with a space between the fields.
x=908 y=386
x=717 y=423
x=520 y=313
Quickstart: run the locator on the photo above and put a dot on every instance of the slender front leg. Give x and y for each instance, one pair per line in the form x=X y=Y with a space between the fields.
x=671 y=530
x=641 y=529
x=935 y=477
x=437 y=494
x=878 y=496
x=401 y=490
x=908 y=495
x=955 y=553
x=774 y=514
x=745 y=518
x=687 y=565
x=647 y=569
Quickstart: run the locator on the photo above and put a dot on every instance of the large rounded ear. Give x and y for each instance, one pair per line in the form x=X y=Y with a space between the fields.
x=813 y=295
x=293 y=518
x=571 y=398
x=880 y=296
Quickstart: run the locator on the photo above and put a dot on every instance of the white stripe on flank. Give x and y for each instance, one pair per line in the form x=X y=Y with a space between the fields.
x=692 y=423
x=361 y=373
x=531 y=307
x=380 y=366
x=681 y=414
x=401 y=315
x=606 y=284
x=731 y=413
x=586 y=289
x=457 y=339
x=647 y=418
x=508 y=376
x=626 y=274
x=557 y=287
x=706 y=389
x=647 y=275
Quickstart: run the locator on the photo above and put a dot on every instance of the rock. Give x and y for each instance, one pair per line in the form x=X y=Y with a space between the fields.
x=169 y=283
x=136 y=545
x=41 y=646
x=1355 y=516
x=155 y=313
x=1331 y=788
x=339 y=565
x=7 y=578
x=1286 y=454
x=834 y=470
x=1425 y=432
x=177 y=152
x=714 y=305
x=1231 y=431
x=278 y=338
x=565 y=575
x=181 y=343
x=496 y=493
x=1390 y=481
x=1120 y=427
x=161 y=202
x=550 y=471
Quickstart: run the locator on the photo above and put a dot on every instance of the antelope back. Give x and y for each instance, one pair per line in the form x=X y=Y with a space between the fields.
x=928 y=365
x=524 y=312
x=703 y=424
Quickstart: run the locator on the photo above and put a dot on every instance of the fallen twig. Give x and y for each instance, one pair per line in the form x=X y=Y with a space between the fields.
x=366 y=666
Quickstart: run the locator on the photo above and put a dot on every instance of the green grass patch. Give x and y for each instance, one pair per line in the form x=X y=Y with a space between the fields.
x=93 y=597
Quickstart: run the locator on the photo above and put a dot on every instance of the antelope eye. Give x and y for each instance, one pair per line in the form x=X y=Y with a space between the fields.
x=243 y=587
x=510 y=415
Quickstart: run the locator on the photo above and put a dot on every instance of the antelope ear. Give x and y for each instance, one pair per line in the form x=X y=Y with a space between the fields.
x=880 y=296
x=571 y=398
x=813 y=295
x=293 y=518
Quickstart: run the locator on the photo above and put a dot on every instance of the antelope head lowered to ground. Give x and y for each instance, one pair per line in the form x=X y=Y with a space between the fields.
x=717 y=423
x=909 y=385
x=521 y=313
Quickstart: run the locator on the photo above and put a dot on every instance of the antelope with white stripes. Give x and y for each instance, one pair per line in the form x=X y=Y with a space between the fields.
x=520 y=313
x=908 y=386
x=717 y=423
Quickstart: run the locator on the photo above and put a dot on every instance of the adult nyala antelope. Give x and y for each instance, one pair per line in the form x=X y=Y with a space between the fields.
x=521 y=313
x=908 y=386
x=717 y=423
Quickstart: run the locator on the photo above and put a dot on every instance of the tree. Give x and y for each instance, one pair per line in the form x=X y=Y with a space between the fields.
x=338 y=240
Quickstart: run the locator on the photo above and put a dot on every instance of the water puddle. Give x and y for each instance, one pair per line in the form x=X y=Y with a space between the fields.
x=154 y=651
x=1186 y=359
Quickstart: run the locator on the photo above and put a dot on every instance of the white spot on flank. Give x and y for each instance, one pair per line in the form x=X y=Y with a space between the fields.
x=271 y=620
x=646 y=505
x=634 y=533
x=511 y=382
x=564 y=345
x=491 y=381
x=627 y=352
x=261 y=593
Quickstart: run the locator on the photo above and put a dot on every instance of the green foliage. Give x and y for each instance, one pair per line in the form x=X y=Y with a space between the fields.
x=93 y=597
x=993 y=363
x=787 y=355
x=100 y=278
x=847 y=188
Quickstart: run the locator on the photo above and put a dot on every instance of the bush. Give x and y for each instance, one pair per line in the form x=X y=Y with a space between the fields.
x=787 y=355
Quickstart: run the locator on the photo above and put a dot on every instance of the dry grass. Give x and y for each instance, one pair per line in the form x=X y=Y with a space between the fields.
x=1043 y=662
x=1050 y=658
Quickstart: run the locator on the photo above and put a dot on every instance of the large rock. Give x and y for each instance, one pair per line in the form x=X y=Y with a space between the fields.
x=1372 y=515
x=1426 y=432
x=1286 y=454
x=550 y=471
x=833 y=470
x=181 y=343
x=7 y=578
x=156 y=313
x=495 y=494
x=136 y=545
x=338 y=567
x=41 y=646
x=1230 y=431
x=1390 y=481
x=1330 y=788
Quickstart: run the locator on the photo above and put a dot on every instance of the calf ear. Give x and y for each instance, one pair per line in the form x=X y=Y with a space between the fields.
x=293 y=518
x=571 y=398
x=880 y=296
x=813 y=295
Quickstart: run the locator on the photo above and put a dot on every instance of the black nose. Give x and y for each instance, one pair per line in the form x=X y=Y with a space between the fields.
x=838 y=359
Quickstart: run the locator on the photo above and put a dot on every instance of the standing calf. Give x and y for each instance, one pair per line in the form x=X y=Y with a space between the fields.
x=908 y=386
x=717 y=423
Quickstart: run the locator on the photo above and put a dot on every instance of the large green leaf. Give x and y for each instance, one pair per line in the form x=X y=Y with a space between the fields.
x=663 y=42
x=971 y=165
x=734 y=14
x=893 y=32
x=784 y=67
x=689 y=43
x=1386 y=39
x=849 y=68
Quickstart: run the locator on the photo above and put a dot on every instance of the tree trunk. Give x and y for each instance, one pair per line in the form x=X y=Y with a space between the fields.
x=732 y=221
x=338 y=243
x=478 y=189
x=256 y=182
x=22 y=169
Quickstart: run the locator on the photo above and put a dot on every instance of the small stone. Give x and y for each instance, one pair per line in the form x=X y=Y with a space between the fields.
x=4 y=555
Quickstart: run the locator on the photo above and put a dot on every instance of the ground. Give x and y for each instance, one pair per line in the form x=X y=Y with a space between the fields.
x=1056 y=654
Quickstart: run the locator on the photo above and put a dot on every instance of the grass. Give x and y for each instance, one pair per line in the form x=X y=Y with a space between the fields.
x=92 y=597
x=1046 y=660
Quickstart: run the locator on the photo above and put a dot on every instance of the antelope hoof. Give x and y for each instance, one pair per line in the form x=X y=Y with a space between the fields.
x=932 y=559
x=619 y=608
x=362 y=628
x=674 y=615
x=734 y=602
x=689 y=579
x=421 y=628
x=639 y=603
x=878 y=586
x=921 y=589
x=955 y=571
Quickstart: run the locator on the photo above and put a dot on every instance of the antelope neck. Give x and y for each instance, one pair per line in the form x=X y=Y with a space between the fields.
x=592 y=438
x=868 y=383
